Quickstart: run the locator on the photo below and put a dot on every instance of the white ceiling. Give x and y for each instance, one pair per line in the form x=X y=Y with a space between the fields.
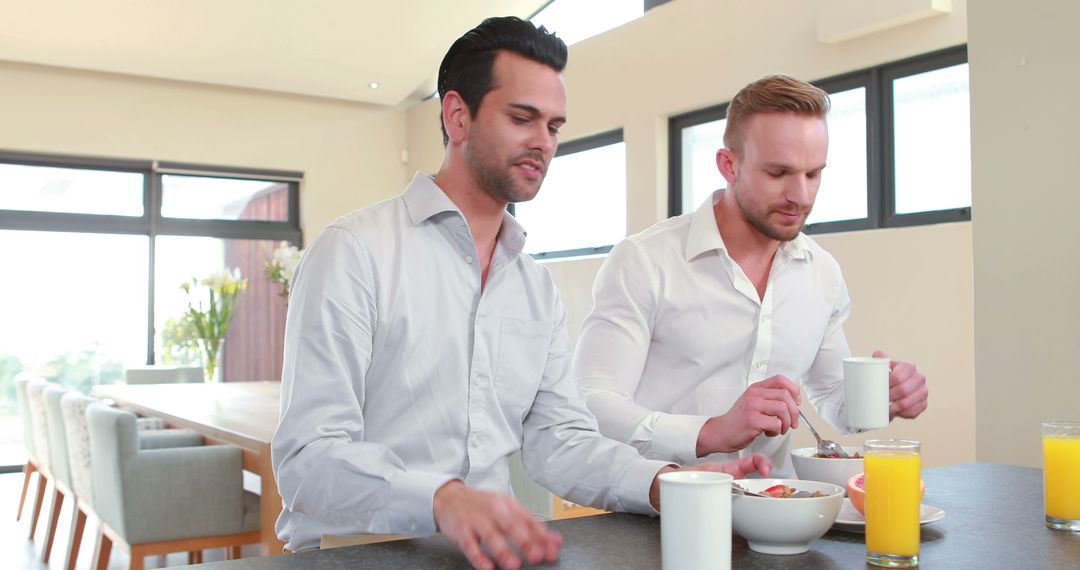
x=322 y=48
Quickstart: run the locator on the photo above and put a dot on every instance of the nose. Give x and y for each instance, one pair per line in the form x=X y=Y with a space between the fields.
x=541 y=140
x=800 y=192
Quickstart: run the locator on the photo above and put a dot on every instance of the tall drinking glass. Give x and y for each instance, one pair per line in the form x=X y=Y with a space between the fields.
x=1061 y=475
x=892 y=502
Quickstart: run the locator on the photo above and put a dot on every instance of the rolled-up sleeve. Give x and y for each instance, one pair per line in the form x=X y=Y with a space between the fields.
x=324 y=467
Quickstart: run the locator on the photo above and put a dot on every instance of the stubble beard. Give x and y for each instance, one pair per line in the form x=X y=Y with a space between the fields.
x=496 y=180
x=761 y=224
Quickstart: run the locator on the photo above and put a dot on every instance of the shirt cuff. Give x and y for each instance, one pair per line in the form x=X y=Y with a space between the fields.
x=412 y=495
x=635 y=486
x=676 y=435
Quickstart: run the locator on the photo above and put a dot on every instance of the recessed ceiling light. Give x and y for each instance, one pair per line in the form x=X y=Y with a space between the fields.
x=374 y=85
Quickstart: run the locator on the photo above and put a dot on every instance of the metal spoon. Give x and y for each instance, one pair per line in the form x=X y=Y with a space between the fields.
x=824 y=446
x=735 y=488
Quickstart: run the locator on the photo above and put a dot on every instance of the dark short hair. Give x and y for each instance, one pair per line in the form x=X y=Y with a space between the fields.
x=467 y=66
x=772 y=94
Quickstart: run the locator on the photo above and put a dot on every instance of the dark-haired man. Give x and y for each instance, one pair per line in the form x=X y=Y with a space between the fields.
x=423 y=348
x=704 y=326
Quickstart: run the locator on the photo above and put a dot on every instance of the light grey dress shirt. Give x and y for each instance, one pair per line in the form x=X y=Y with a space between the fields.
x=401 y=374
x=678 y=332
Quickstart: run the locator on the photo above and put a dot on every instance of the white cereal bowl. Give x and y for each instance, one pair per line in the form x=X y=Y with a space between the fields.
x=826 y=470
x=784 y=526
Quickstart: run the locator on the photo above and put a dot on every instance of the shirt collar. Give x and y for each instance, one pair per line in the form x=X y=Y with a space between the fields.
x=705 y=236
x=424 y=200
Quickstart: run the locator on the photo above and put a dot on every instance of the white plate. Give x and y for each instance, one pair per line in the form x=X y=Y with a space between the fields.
x=849 y=520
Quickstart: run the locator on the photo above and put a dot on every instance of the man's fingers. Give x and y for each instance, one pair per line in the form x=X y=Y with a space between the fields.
x=783 y=383
x=909 y=386
x=912 y=405
x=554 y=543
x=528 y=535
x=753 y=463
x=470 y=547
x=499 y=549
x=879 y=354
x=778 y=409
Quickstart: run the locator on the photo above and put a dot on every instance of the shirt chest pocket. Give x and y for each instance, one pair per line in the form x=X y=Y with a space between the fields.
x=523 y=351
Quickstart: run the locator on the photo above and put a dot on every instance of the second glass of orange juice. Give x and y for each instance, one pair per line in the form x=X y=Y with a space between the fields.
x=892 y=502
x=1061 y=475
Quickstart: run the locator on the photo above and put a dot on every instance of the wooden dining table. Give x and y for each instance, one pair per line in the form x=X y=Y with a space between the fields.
x=244 y=414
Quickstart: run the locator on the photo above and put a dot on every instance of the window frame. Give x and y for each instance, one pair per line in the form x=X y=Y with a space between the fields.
x=573 y=147
x=880 y=165
x=152 y=224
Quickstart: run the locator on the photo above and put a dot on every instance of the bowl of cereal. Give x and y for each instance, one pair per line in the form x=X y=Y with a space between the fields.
x=812 y=466
x=791 y=515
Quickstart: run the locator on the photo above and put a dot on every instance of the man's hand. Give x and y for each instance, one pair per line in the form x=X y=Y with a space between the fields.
x=770 y=407
x=908 y=393
x=479 y=521
x=739 y=469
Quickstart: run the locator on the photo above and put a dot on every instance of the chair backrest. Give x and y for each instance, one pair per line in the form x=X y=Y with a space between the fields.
x=113 y=443
x=58 y=461
x=39 y=423
x=164 y=374
x=73 y=407
x=22 y=380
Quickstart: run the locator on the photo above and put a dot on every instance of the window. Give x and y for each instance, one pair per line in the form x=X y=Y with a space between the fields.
x=97 y=250
x=581 y=207
x=899 y=148
x=574 y=20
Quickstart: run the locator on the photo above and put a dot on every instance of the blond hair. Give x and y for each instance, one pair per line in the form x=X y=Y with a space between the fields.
x=772 y=94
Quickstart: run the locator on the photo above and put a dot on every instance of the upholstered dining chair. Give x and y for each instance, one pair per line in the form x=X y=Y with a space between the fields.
x=73 y=408
x=157 y=501
x=39 y=432
x=58 y=464
x=22 y=381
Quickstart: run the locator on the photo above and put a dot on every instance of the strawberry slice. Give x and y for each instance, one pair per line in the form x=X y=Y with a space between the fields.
x=776 y=491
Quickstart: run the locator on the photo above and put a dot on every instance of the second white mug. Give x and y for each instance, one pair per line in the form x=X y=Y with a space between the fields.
x=866 y=391
x=695 y=520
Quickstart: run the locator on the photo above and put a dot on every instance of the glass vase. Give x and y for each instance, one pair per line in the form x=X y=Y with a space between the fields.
x=211 y=351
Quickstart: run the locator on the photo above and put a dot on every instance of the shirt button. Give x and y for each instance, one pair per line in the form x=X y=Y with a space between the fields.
x=468 y=259
x=475 y=442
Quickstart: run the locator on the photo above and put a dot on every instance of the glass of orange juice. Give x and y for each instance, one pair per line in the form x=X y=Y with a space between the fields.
x=892 y=502
x=1061 y=475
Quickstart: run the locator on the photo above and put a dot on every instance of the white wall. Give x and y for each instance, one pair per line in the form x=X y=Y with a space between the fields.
x=911 y=288
x=348 y=152
x=1024 y=124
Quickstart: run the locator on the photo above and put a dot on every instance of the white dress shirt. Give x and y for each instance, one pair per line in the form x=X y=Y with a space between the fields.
x=678 y=332
x=401 y=374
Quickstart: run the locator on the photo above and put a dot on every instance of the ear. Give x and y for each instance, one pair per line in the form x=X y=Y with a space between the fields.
x=726 y=163
x=455 y=116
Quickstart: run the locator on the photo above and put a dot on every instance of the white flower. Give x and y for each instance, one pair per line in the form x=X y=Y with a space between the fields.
x=287 y=256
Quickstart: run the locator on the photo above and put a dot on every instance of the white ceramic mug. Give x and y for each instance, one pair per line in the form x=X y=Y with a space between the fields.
x=695 y=520
x=866 y=391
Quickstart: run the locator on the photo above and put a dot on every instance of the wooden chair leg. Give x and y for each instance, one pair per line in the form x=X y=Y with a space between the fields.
x=38 y=499
x=194 y=557
x=51 y=522
x=234 y=553
x=29 y=470
x=138 y=558
x=102 y=549
x=78 y=524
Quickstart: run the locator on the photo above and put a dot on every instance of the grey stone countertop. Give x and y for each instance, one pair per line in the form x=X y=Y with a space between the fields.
x=993 y=519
